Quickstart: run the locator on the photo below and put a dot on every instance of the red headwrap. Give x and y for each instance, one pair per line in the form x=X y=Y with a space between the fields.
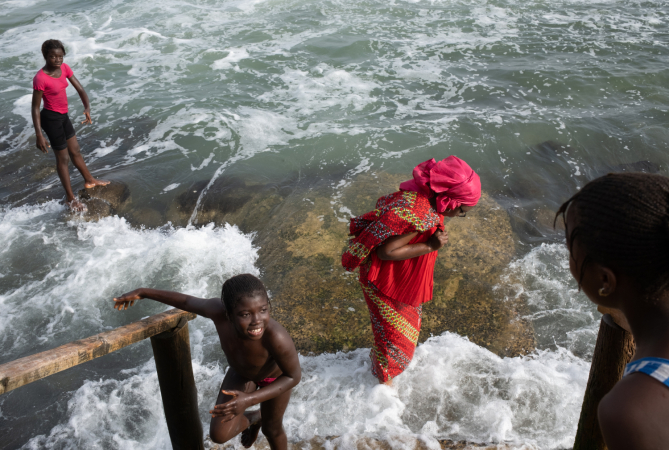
x=451 y=180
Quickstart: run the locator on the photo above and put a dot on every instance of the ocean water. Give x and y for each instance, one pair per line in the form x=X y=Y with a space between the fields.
x=539 y=97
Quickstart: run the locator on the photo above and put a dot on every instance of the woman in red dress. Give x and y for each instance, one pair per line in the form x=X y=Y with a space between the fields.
x=395 y=247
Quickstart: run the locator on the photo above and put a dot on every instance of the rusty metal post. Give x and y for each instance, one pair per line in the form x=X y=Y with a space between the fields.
x=614 y=349
x=171 y=351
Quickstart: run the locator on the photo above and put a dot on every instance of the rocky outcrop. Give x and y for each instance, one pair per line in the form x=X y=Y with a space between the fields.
x=302 y=231
x=104 y=201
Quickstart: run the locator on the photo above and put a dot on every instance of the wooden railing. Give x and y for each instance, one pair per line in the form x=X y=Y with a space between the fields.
x=170 y=341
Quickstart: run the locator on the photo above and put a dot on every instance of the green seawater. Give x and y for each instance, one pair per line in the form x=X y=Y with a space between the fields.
x=539 y=97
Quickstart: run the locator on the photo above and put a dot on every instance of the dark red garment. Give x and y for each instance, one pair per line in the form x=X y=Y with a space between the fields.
x=265 y=382
x=399 y=213
x=409 y=281
x=396 y=328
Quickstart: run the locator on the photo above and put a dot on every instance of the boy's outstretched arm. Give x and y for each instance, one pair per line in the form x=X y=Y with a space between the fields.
x=281 y=347
x=206 y=307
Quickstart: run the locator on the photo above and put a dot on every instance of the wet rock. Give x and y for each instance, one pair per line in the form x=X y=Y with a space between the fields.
x=301 y=232
x=530 y=196
x=116 y=194
x=638 y=166
x=96 y=209
x=184 y=204
x=43 y=170
x=146 y=217
x=467 y=272
x=225 y=202
x=302 y=235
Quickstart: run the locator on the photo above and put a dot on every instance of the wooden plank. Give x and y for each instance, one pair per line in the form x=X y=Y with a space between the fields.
x=22 y=371
x=174 y=366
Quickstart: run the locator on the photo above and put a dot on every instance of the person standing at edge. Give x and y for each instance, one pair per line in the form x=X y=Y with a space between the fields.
x=617 y=232
x=395 y=247
x=50 y=84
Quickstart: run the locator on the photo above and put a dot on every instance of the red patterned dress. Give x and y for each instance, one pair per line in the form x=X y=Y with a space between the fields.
x=394 y=290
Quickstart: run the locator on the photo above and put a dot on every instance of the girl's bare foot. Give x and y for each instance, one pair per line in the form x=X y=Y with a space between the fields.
x=250 y=435
x=76 y=206
x=92 y=184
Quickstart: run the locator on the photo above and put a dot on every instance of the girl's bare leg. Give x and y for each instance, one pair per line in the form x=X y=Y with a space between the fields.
x=272 y=421
x=62 y=167
x=78 y=161
x=62 y=163
x=220 y=431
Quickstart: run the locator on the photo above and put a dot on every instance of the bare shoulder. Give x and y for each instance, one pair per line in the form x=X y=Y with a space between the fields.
x=214 y=309
x=276 y=338
x=635 y=413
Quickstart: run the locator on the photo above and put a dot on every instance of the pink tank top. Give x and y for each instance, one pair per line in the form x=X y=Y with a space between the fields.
x=55 y=97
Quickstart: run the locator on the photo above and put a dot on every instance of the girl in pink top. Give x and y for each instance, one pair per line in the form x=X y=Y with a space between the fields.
x=50 y=84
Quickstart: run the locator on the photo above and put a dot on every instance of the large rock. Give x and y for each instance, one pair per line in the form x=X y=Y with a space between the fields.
x=225 y=201
x=302 y=231
x=116 y=194
x=104 y=201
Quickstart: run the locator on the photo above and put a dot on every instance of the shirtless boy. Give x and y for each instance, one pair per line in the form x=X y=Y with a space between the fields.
x=264 y=366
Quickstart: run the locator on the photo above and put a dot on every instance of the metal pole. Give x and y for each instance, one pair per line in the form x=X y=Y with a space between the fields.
x=613 y=351
x=171 y=351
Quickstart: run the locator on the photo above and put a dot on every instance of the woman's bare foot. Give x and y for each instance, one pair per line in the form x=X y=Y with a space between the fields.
x=92 y=184
x=76 y=206
x=250 y=435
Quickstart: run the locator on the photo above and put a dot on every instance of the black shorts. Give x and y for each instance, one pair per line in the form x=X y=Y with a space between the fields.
x=57 y=127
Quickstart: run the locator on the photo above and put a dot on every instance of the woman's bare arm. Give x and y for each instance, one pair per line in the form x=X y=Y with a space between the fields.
x=37 y=121
x=205 y=307
x=397 y=248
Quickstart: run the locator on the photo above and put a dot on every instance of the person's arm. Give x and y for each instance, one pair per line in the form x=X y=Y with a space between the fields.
x=84 y=98
x=397 y=248
x=37 y=122
x=282 y=349
x=206 y=307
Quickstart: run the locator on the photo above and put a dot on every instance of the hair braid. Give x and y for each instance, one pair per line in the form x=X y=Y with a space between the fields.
x=622 y=219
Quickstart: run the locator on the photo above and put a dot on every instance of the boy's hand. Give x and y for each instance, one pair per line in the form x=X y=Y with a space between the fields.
x=42 y=144
x=232 y=408
x=127 y=300
x=87 y=113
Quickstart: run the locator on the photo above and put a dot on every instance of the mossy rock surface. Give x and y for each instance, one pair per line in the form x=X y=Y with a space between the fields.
x=302 y=231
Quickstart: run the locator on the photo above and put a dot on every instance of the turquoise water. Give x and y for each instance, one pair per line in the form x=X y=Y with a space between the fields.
x=183 y=92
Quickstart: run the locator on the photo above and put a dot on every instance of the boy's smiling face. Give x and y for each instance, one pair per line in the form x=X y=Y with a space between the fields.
x=251 y=316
